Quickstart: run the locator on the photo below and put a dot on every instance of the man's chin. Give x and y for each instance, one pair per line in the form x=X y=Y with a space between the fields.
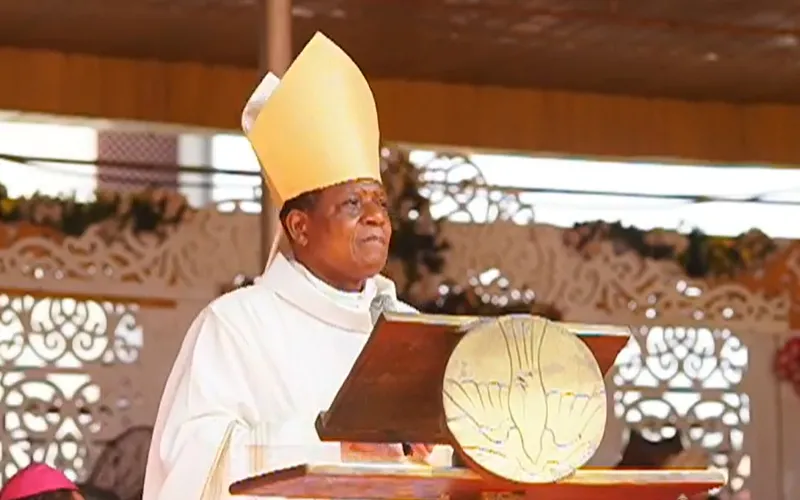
x=373 y=264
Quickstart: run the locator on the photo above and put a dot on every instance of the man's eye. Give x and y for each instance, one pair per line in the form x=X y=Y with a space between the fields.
x=353 y=202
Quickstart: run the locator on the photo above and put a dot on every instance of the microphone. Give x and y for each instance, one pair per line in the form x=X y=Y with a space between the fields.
x=383 y=302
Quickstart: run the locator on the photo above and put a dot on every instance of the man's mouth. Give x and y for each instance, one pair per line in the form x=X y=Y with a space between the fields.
x=375 y=239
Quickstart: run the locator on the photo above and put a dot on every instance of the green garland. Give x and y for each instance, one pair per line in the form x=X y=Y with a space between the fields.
x=147 y=211
x=417 y=244
x=700 y=255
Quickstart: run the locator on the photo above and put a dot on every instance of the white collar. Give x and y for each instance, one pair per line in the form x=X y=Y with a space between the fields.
x=297 y=288
x=359 y=301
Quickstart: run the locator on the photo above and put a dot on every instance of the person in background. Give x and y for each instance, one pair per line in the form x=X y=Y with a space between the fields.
x=40 y=482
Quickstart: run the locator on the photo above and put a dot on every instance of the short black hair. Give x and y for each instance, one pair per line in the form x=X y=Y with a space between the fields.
x=304 y=202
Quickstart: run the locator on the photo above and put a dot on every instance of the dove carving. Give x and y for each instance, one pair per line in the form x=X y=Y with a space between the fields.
x=524 y=399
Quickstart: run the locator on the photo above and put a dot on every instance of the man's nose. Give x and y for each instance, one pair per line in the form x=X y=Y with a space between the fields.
x=375 y=214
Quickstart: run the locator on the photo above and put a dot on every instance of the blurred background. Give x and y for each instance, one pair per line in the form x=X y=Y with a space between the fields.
x=620 y=162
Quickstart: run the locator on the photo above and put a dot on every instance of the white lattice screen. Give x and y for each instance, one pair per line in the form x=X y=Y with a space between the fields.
x=697 y=363
x=64 y=385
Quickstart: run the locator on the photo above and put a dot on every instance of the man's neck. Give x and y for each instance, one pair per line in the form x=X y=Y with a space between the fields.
x=338 y=284
x=296 y=285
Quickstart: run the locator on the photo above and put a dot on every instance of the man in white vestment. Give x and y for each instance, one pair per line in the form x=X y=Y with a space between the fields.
x=258 y=364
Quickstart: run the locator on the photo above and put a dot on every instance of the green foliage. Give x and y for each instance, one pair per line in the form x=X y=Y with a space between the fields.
x=146 y=211
x=420 y=249
x=416 y=242
x=699 y=254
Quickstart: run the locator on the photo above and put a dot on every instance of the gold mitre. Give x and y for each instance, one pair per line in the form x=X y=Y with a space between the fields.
x=316 y=127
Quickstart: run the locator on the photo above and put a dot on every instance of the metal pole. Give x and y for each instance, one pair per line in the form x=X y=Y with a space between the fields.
x=275 y=55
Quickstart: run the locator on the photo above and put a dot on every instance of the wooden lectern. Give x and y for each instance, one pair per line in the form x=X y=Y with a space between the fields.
x=397 y=392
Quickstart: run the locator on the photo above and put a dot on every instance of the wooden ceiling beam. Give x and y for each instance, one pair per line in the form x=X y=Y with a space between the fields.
x=424 y=113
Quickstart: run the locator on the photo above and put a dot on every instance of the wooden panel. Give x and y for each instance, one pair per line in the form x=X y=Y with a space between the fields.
x=492 y=118
x=393 y=393
x=733 y=49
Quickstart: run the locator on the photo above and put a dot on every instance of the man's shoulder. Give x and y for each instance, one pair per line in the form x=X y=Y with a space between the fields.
x=241 y=315
x=242 y=302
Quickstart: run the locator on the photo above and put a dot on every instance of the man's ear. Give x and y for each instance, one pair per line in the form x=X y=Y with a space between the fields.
x=296 y=225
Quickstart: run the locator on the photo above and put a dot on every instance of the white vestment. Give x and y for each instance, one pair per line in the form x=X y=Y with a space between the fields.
x=255 y=369
x=258 y=365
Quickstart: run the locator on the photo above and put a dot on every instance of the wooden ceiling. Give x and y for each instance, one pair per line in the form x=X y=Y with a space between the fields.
x=735 y=50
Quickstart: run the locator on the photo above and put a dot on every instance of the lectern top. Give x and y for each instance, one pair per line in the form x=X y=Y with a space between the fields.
x=389 y=481
x=394 y=390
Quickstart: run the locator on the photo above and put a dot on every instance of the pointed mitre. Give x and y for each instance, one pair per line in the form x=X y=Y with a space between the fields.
x=317 y=126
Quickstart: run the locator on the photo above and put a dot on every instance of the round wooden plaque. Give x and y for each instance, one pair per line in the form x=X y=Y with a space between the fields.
x=524 y=400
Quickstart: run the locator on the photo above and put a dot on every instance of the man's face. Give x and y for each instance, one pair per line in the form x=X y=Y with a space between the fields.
x=345 y=236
